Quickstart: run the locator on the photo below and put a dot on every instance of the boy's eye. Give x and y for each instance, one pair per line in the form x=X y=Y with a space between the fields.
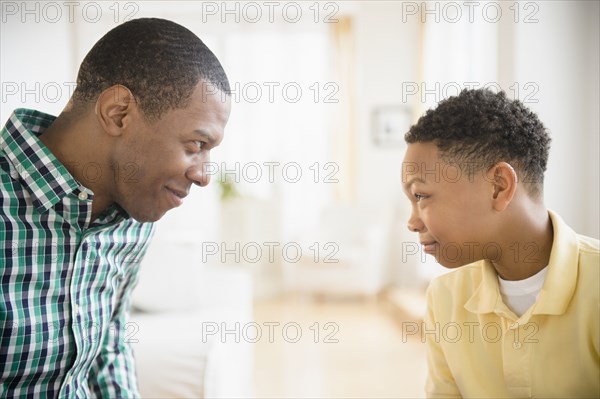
x=200 y=144
x=419 y=197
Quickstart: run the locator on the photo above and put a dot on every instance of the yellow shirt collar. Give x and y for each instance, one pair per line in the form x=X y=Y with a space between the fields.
x=558 y=287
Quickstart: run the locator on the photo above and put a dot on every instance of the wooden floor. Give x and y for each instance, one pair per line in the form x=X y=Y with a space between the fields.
x=329 y=348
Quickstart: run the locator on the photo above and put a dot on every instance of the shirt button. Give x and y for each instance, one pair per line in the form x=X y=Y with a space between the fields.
x=76 y=308
x=517 y=345
x=83 y=195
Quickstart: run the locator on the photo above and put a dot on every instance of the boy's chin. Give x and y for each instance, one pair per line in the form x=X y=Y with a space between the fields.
x=453 y=264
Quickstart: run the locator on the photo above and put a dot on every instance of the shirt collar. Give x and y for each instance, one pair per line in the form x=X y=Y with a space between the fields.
x=559 y=284
x=486 y=297
x=112 y=214
x=47 y=180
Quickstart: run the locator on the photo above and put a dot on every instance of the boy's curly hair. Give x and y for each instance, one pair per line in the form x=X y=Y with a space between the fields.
x=480 y=128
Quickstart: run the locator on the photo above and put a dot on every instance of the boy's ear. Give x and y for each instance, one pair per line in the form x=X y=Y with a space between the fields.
x=114 y=109
x=504 y=185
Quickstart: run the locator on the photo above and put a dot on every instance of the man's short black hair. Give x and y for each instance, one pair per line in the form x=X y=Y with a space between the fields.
x=160 y=61
x=479 y=128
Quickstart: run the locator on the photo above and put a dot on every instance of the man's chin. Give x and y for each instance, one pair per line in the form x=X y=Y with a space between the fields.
x=147 y=219
x=146 y=216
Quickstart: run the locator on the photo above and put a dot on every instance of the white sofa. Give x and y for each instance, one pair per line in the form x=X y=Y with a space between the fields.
x=181 y=313
x=346 y=255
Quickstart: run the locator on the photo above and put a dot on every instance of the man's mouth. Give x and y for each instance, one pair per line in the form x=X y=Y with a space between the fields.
x=176 y=196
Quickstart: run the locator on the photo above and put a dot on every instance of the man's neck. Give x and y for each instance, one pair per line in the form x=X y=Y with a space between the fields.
x=75 y=144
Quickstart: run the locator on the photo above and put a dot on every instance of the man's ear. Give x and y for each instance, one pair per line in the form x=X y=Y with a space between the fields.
x=114 y=109
x=504 y=184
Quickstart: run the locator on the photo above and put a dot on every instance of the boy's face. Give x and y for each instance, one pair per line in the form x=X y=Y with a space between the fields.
x=451 y=211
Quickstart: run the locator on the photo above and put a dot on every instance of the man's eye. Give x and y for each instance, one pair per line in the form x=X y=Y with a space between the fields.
x=197 y=146
x=419 y=197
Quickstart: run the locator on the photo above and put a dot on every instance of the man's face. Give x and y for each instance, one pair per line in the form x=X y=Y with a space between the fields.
x=450 y=210
x=157 y=163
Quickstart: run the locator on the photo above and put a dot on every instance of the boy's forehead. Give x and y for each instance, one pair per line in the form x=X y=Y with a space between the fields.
x=421 y=153
x=418 y=160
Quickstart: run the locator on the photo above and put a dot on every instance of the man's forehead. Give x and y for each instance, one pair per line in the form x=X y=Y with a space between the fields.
x=210 y=93
x=209 y=104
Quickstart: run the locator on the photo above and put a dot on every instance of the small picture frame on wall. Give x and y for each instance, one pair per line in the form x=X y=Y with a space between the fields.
x=390 y=123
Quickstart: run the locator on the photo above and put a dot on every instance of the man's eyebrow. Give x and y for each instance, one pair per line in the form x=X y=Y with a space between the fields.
x=412 y=181
x=205 y=135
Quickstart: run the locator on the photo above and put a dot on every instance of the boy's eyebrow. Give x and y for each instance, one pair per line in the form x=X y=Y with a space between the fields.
x=412 y=181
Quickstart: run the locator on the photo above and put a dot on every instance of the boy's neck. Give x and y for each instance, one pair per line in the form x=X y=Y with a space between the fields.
x=526 y=249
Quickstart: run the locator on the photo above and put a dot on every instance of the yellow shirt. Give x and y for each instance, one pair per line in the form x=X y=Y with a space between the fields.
x=478 y=348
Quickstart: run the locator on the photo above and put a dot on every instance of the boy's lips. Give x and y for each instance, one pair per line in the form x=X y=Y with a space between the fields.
x=429 y=246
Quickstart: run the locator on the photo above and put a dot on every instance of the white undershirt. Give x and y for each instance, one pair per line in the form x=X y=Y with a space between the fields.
x=521 y=294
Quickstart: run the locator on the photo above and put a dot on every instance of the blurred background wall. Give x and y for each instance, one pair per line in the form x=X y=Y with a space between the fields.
x=323 y=93
x=306 y=192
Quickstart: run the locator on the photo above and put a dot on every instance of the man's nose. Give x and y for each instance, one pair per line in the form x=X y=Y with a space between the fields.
x=197 y=176
x=197 y=173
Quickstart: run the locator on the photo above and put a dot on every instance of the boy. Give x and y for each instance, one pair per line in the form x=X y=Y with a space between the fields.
x=520 y=315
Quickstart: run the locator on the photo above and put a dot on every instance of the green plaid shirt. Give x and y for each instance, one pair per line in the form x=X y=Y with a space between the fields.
x=65 y=281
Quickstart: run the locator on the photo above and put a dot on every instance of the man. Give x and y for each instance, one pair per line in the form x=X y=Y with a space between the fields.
x=519 y=317
x=78 y=195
